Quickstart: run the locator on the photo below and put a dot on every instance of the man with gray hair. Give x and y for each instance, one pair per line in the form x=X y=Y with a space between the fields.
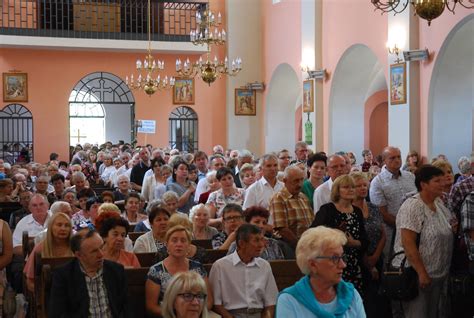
x=336 y=167
x=244 y=156
x=261 y=192
x=292 y=213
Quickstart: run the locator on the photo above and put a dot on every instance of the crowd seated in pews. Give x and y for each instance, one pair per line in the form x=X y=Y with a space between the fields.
x=128 y=224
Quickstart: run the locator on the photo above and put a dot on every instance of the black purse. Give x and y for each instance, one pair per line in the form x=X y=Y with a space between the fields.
x=399 y=283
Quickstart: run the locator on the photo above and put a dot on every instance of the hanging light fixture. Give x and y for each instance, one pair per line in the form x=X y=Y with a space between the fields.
x=208 y=33
x=425 y=9
x=146 y=70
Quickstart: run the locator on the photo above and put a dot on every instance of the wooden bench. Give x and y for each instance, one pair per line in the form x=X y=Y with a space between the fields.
x=7 y=208
x=134 y=235
x=147 y=259
x=207 y=244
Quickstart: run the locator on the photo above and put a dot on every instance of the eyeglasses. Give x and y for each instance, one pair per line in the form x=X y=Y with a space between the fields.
x=189 y=297
x=335 y=258
x=233 y=218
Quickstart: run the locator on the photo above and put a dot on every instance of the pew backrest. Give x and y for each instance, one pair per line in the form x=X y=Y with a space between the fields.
x=7 y=208
x=207 y=244
x=134 y=235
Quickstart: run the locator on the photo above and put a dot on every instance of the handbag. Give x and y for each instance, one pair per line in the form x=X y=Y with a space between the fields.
x=399 y=283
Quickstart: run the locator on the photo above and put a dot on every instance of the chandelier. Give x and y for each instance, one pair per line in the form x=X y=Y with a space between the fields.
x=146 y=70
x=208 y=33
x=425 y=9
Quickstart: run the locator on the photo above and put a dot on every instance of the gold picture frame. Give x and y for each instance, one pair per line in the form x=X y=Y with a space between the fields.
x=398 y=84
x=15 y=87
x=183 y=91
x=308 y=96
x=245 y=102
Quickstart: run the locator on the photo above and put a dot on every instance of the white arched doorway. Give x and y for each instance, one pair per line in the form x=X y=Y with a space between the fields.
x=451 y=97
x=281 y=103
x=357 y=77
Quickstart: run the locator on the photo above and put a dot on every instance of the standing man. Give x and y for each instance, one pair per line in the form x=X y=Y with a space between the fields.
x=244 y=156
x=89 y=286
x=336 y=167
x=301 y=152
x=201 y=161
x=292 y=213
x=388 y=188
x=261 y=192
x=242 y=282
x=138 y=171
x=216 y=162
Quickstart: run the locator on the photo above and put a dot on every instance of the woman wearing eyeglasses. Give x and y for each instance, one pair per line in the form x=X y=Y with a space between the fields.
x=321 y=292
x=343 y=215
x=185 y=297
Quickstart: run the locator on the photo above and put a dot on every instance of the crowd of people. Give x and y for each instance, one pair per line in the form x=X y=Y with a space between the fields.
x=341 y=220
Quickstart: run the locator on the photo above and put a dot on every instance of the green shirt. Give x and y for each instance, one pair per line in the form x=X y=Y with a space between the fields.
x=308 y=191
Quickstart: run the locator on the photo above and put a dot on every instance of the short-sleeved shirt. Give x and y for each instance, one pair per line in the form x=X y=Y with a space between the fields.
x=219 y=200
x=436 y=236
x=28 y=224
x=322 y=195
x=160 y=275
x=260 y=194
x=291 y=211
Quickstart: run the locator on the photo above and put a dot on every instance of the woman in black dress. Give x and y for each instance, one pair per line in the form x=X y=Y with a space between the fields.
x=341 y=214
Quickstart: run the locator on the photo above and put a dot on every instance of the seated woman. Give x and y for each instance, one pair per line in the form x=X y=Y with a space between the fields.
x=228 y=193
x=341 y=214
x=113 y=231
x=6 y=189
x=107 y=197
x=132 y=206
x=185 y=297
x=195 y=253
x=178 y=240
x=106 y=211
x=182 y=186
x=154 y=184
x=123 y=189
x=212 y=184
x=259 y=216
x=199 y=216
x=247 y=175
x=70 y=197
x=170 y=201
x=153 y=240
x=321 y=292
x=56 y=244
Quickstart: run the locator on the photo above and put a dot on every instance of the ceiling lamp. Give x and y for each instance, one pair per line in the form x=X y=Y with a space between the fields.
x=208 y=33
x=425 y=9
x=146 y=70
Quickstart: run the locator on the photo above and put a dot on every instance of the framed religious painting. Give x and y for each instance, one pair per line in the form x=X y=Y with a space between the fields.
x=183 y=91
x=245 y=102
x=308 y=96
x=398 y=84
x=15 y=87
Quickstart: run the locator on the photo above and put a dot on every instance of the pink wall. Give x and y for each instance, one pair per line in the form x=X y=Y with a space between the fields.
x=372 y=115
x=281 y=42
x=53 y=74
x=433 y=37
x=298 y=124
x=361 y=25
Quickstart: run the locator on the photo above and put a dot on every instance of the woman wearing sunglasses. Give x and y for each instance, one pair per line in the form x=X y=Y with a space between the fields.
x=321 y=292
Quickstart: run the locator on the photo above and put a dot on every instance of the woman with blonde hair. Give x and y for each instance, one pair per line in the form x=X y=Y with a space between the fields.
x=343 y=215
x=447 y=169
x=412 y=162
x=199 y=216
x=178 y=239
x=56 y=244
x=322 y=292
x=185 y=297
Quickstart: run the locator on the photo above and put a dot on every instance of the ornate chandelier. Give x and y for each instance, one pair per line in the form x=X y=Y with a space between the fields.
x=208 y=33
x=147 y=69
x=425 y=9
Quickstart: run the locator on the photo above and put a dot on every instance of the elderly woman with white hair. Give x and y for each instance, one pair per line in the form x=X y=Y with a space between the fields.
x=321 y=292
x=464 y=165
x=200 y=215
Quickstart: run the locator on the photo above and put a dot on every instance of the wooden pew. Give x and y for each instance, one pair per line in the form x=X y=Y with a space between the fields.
x=134 y=235
x=214 y=255
x=7 y=208
x=147 y=259
x=207 y=244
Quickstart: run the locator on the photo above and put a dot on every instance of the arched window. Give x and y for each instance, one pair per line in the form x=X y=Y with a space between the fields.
x=183 y=125
x=16 y=133
x=103 y=101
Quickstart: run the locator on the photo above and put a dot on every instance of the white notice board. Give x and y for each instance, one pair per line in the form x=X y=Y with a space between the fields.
x=147 y=127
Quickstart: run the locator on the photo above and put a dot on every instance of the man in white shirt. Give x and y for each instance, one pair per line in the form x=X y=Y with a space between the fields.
x=242 y=282
x=261 y=192
x=322 y=195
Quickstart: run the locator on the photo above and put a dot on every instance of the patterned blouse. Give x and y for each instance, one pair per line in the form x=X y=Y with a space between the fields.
x=160 y=275
x=219 y=200
x=373 y=226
